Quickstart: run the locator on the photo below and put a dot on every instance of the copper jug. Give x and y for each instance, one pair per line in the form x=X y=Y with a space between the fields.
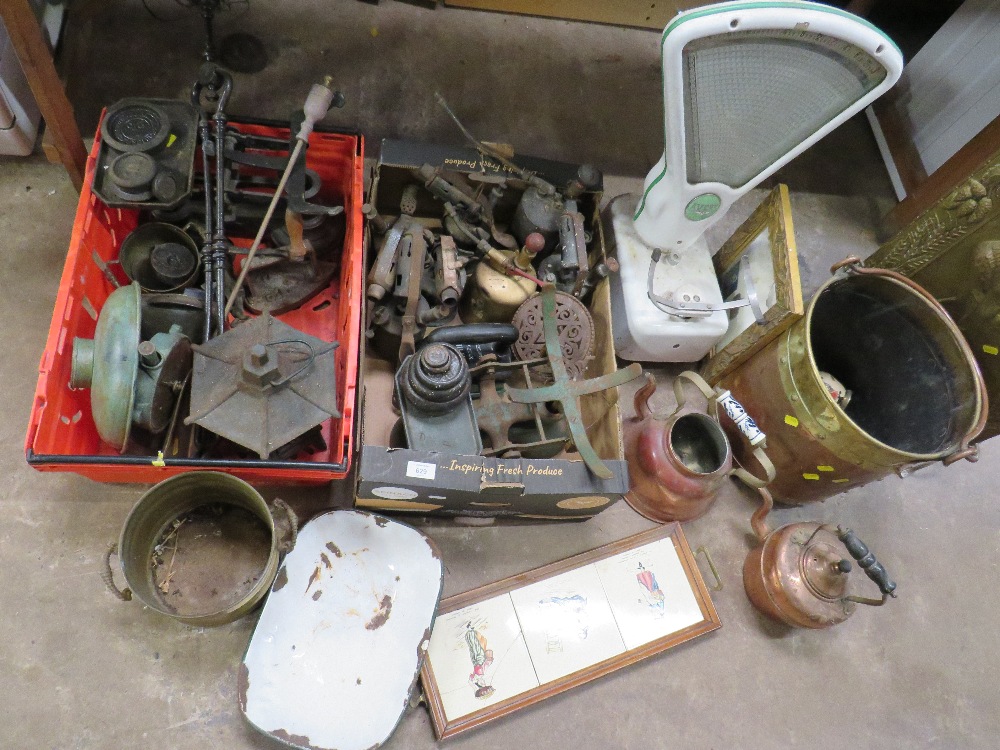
x=799 y=574
x=677 y=462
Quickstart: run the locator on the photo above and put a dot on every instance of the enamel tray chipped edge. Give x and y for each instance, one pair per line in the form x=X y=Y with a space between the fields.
x=343 y=633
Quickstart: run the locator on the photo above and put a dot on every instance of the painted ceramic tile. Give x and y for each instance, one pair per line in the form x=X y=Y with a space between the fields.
x=479 y=657
x=567 y=623
x=649 y=593
x=342 y=633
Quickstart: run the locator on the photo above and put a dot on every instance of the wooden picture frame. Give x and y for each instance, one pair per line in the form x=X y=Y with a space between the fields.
x=772 y=217
x=510 y=644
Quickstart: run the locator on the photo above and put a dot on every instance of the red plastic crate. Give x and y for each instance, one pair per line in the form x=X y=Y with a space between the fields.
x=61 y=433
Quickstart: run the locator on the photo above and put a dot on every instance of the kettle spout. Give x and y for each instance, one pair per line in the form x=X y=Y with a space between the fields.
x=757 y=520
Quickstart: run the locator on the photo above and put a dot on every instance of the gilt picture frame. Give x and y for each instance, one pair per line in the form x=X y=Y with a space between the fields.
x=767 y=240
x=512 y=643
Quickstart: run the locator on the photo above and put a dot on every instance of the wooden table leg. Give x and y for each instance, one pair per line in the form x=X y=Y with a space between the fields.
x=36 y=60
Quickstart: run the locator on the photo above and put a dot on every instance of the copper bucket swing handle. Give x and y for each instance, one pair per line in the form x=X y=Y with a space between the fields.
x=853 y=264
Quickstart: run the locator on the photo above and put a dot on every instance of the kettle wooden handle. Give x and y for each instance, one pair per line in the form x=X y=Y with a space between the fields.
x=866 y=559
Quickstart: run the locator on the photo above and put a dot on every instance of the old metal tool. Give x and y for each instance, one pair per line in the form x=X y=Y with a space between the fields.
x=472 y=206
x=132 y=382
x=566 y=391
x=302 y=183
x=799 y=573
x=287 y=282
x=160 y=256
x=433 y=390
x=493 y=295
x=321 y=97
x=162 y=311
x=568 y=267
x=597 y=274
x=476 y=341
x=499 y=417
x=147 y=150
x=415 y=283
x=574 y=327
x=214 y=85
x=263 y=383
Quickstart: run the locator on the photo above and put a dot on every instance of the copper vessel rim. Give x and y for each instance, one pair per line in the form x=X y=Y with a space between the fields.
x=712 y=425
x=825 y=394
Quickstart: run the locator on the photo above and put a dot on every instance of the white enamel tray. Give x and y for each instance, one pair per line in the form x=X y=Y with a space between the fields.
x=340 y=641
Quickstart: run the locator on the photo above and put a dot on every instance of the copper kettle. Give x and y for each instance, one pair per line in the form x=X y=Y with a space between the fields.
x=677 y=462
x=799 y=573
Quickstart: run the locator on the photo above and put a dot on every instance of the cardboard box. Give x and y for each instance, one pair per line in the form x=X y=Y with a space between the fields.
x=429 y=483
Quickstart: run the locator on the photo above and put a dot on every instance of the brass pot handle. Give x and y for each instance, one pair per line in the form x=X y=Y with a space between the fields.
x=107 y=576
x=287 y=543
x=853 y=264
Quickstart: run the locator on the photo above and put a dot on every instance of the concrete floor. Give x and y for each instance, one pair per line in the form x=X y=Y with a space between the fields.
x=85 y=671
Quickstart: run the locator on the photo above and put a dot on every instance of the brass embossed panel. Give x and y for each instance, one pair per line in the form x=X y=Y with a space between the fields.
x=953 y=251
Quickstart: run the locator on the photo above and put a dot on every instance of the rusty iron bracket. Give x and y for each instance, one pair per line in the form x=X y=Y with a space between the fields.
x=496 y=414
x=567 y=391
x=418 y=251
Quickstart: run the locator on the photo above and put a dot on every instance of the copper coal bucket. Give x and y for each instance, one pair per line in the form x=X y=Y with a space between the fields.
x=916 y=392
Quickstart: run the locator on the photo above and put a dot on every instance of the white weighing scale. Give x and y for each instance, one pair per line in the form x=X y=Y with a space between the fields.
x=747 y=86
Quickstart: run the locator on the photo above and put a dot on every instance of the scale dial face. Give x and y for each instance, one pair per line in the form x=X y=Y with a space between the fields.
x=752 y=96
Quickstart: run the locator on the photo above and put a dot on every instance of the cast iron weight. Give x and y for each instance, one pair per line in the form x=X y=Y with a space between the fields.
x=567 y=391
